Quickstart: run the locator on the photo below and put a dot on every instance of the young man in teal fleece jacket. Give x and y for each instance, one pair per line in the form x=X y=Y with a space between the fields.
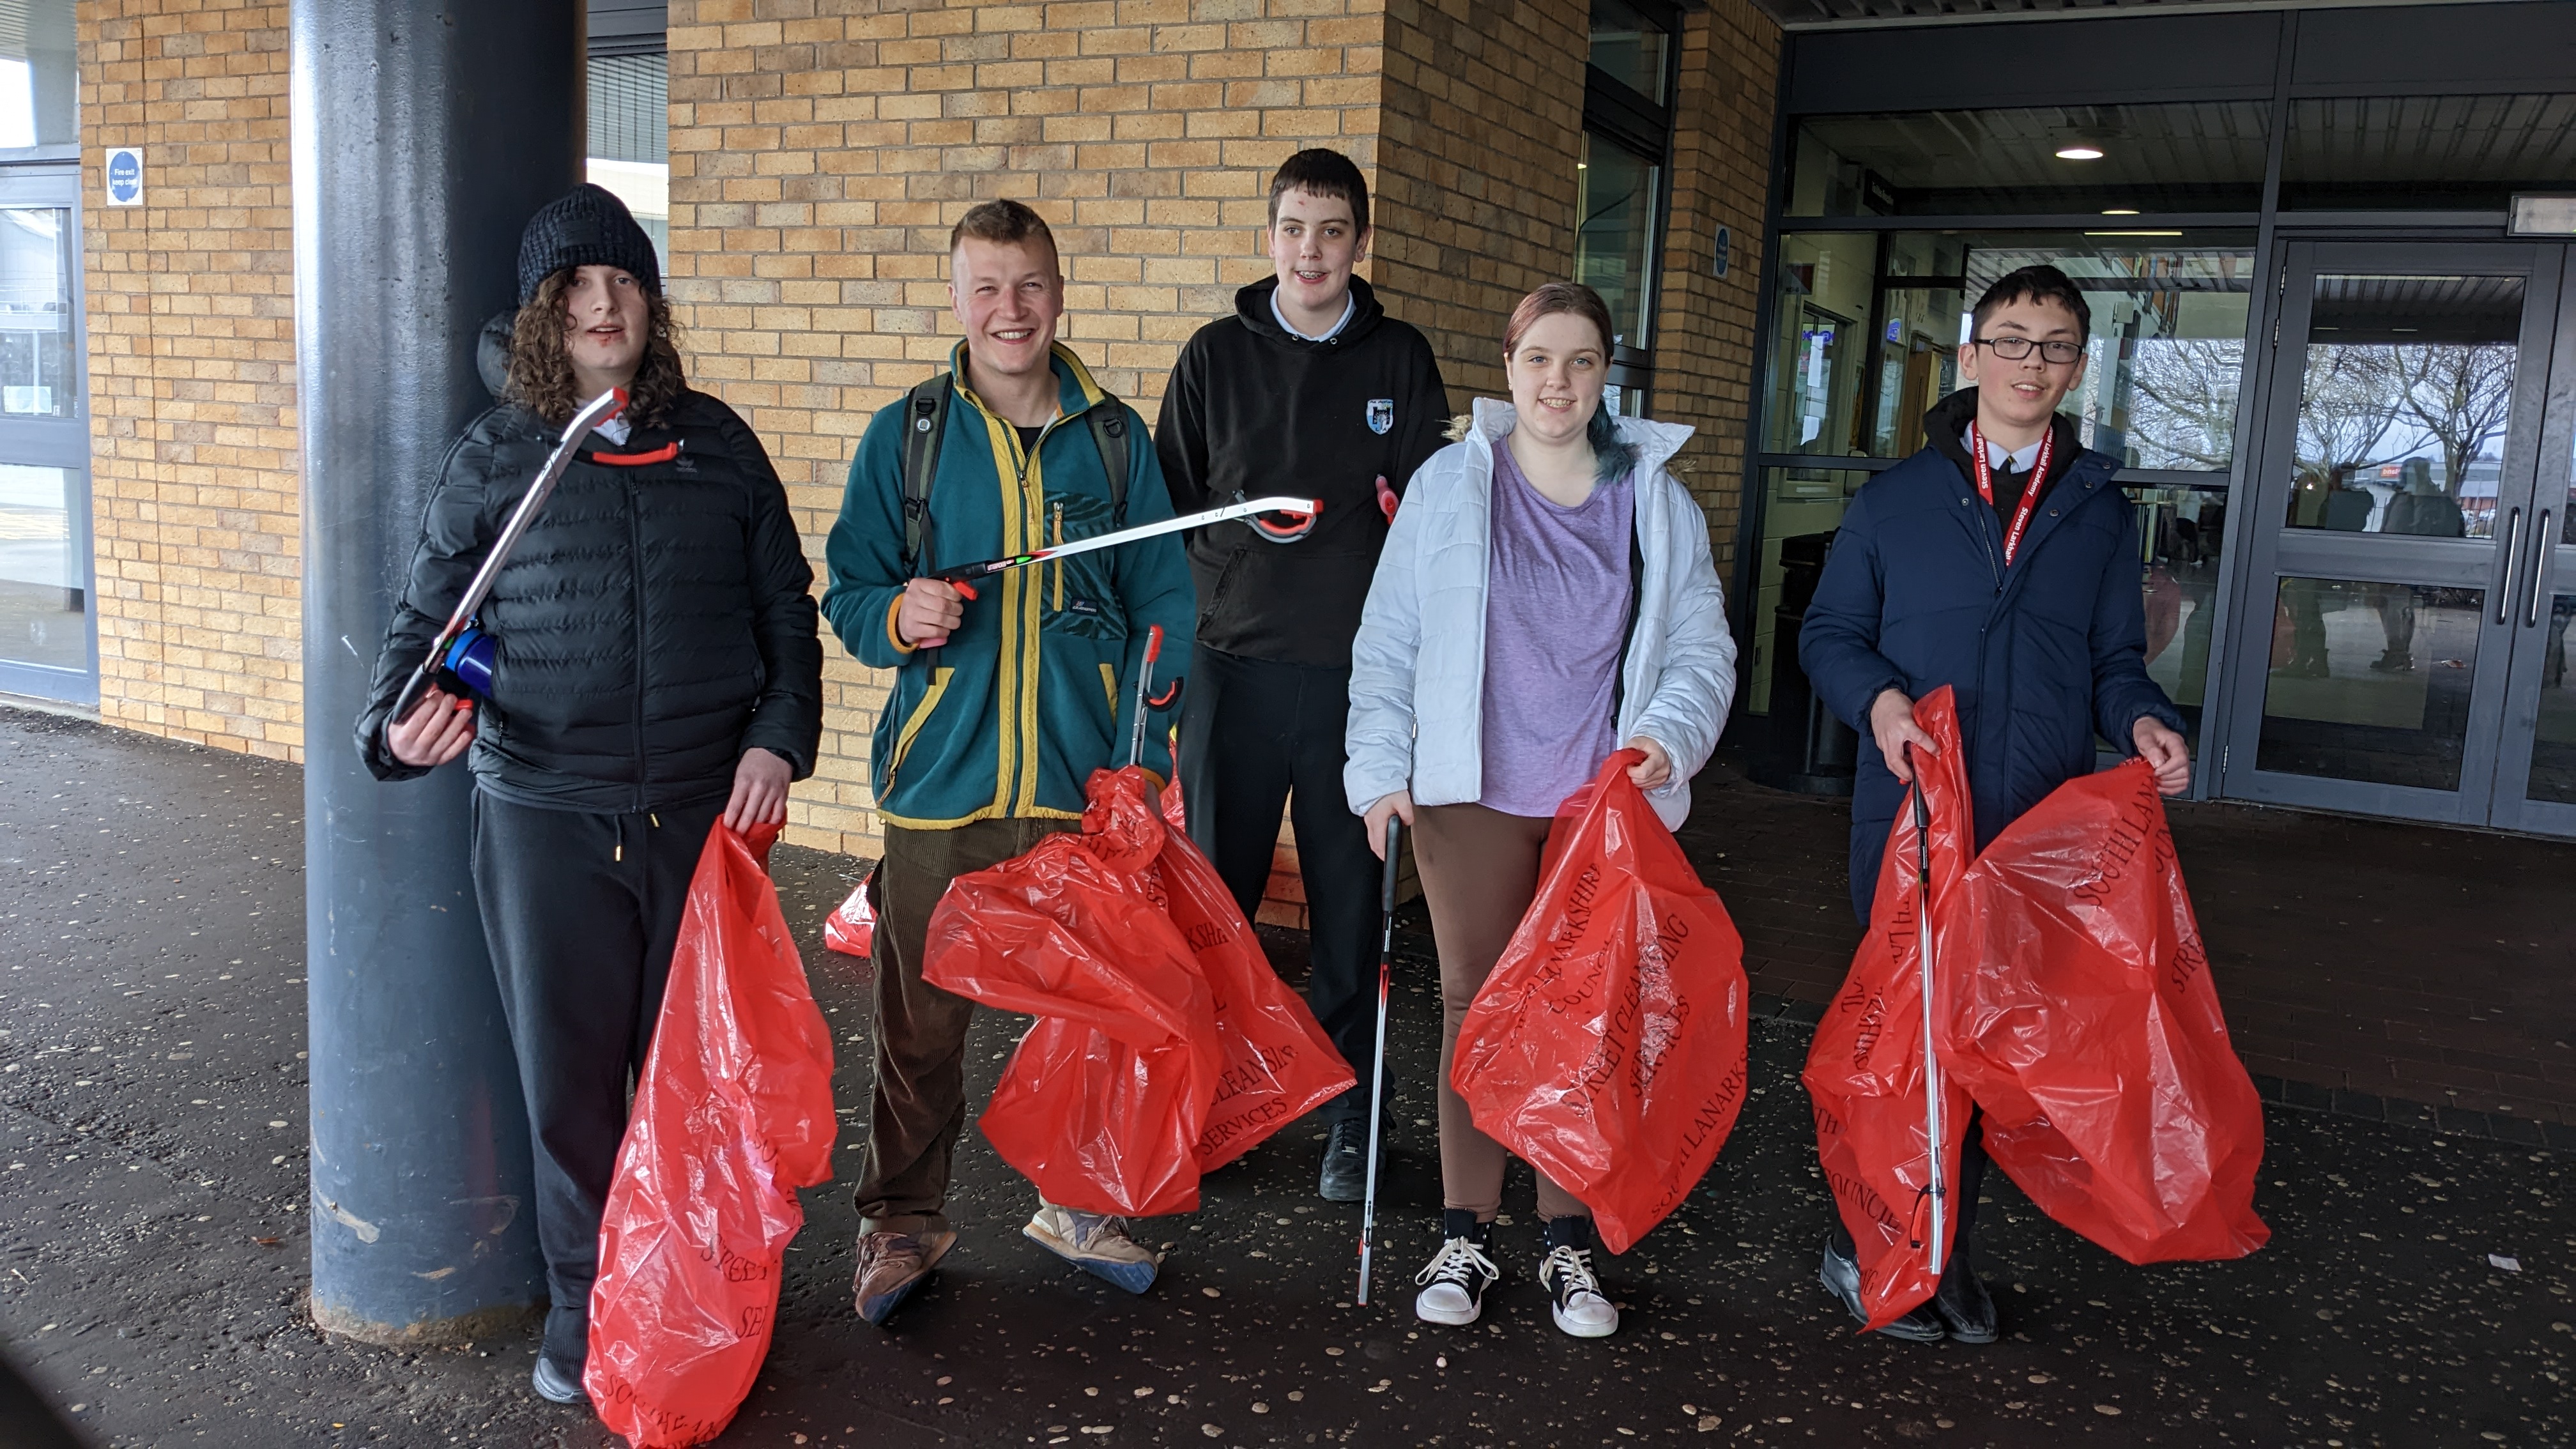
x=1002 y=705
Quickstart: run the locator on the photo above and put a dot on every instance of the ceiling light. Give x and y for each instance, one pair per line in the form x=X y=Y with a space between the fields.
x=2079 y=151
x=2119 y=211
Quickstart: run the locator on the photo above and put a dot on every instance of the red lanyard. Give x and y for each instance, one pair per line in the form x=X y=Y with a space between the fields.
x=2029 y=492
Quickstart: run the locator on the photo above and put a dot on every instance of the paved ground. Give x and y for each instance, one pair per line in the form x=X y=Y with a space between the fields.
x=152 y=1244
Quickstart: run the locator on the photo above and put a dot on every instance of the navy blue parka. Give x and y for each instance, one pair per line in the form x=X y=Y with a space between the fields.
x=2041 y=655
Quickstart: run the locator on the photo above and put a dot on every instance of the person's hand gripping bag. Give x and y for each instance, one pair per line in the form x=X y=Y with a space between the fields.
x=1104 y=1101
x=733 y=1113
x=1606 y=1048
x=2090 y=1032
x=1866 y=1075
x=1278 y=1064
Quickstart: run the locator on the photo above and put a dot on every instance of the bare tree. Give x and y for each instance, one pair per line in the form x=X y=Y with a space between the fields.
x=2349 y=399
x=2462 y=393
x=2184 y=411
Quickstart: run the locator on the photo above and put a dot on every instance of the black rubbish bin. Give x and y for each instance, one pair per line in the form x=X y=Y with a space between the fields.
x=1811 y=752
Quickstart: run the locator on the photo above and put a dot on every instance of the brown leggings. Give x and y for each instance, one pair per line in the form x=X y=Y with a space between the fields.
x=1479 y=872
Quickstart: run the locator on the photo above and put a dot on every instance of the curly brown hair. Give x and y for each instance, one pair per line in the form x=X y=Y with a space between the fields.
x=541 y=369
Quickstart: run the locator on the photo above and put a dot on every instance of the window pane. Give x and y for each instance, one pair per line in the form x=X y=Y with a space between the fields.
x=44 y=601
x=2402 y=410
x=2553 y=741
x=2206 y=156
x=37 y=376
x=2180 y=533
x=39 y=75
x=2414 y=152
x=1614 y=242
x=2370 y=681
x=1798 y=504
x=1868 y=329
x=1630 y=48
x=630 y=129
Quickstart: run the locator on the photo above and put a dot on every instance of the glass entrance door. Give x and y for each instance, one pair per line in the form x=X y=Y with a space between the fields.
x=2395 y=633
x=47 y=642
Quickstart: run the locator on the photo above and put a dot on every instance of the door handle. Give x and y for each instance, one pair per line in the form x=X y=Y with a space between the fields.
x=2539 y=566
x=2512 y=560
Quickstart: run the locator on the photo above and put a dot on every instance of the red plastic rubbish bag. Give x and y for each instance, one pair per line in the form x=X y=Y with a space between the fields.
x=1865 y=1074
x=1278 y=1064
x=1103 y=1104
x=733 y=1113
x=1607 y=1046
x=851 y=929
x=2091 y=1033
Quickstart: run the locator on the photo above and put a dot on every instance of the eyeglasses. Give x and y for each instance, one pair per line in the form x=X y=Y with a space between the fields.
x=2014 y=349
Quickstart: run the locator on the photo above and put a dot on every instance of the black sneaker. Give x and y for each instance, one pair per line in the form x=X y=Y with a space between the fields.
x=1345 y=1176
x=560 y=1357
x=1579 y=1306
x=1966 y=1308
x=1453 y=1287
x=557 y=1384
x=1841 y=1276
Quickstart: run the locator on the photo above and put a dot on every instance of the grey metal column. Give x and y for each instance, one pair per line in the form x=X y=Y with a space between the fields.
x=425 y=133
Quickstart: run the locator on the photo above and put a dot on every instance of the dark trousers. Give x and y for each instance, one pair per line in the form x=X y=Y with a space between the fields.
x=1256 y=736
x=918 y=1104
x=580 y=910
x=1963 y=1202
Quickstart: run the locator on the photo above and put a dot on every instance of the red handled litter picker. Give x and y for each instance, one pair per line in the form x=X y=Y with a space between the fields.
x=1936 y=1180
x=460 y=658
x=1146 y=701
x=1377 y=1074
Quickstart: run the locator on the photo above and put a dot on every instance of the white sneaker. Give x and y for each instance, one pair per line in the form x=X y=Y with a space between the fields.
x=1580 y=1307
x=1096 y=1244
x=1454 y=1285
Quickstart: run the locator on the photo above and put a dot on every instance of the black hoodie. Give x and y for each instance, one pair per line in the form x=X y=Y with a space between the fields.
x=1252 y=408
x=1946 y=426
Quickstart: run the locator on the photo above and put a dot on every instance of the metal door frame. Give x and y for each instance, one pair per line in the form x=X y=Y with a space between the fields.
x=2548 y=564
x=2273 y=548
x=59 y=442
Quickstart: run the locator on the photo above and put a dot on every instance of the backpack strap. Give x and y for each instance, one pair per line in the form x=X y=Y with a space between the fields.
x=1108 y=419
x=925 y=413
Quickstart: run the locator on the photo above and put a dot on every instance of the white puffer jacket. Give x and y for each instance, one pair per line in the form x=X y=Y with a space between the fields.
x=1418 y=665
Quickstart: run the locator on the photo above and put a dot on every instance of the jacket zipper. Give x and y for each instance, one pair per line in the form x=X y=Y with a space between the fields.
x=635 y=568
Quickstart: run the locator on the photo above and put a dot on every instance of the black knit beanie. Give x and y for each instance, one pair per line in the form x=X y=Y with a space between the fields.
x=586 y=226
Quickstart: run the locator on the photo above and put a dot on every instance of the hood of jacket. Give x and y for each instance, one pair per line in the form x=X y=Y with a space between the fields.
x=1252 y=308
x=1656 y=443
x=1945 y=427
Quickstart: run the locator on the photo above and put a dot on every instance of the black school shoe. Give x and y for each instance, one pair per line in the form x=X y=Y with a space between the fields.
x=1841 y=1277
x=1965 y=1306
x=1345 y=1177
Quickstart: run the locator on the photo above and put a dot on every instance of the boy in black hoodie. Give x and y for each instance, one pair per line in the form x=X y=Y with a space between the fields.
x=1309 y=389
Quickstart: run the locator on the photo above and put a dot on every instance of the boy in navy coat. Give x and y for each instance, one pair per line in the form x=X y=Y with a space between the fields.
x=2002 y=561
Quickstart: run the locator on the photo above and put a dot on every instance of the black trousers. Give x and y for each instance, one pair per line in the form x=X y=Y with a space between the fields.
x=1257 y=736
x=1971 y=1182
x=580 y=910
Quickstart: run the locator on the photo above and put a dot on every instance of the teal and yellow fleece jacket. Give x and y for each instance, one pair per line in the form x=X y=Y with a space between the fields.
x=1037 y=688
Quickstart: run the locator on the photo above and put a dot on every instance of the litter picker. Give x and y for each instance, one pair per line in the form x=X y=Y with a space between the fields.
x=462 y=652
x=964 y=576
x=1935 y=1186
x=1146 y=701
x=1377 y=1070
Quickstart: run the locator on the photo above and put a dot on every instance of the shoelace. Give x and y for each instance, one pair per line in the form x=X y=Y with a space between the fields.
x=1569 y=1269
x=1459 y=1260
x=1090 y=1228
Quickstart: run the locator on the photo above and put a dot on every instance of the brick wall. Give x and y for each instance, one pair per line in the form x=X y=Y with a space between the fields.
x=1704 y=329
x=817 y=162
x=1476 y=181
x=192 y=372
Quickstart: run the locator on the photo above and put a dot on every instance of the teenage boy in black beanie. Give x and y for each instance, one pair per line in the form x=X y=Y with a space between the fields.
x=659 y=671
x=1308 y=389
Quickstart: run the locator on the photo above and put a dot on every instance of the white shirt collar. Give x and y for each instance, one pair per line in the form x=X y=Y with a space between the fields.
x=1998 y=457
x=1350 y=305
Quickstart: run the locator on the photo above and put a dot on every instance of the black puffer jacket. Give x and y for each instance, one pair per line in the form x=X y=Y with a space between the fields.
x=655 y=621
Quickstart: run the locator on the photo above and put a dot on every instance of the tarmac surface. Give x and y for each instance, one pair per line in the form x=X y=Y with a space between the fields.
x=153 y=1244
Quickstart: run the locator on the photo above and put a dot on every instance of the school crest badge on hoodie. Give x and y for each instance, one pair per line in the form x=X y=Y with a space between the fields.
x=1381 y=415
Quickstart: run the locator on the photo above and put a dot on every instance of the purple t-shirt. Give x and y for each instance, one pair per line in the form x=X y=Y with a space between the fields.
x=1556 y=605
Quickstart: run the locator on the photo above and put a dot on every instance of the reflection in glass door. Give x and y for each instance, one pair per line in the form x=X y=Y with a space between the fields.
x=2394 y=503
x=47 y=643
x=2536 y=773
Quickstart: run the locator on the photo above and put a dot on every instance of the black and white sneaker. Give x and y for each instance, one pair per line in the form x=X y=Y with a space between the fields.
x=1580 y=1307
x=1453 y=1287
